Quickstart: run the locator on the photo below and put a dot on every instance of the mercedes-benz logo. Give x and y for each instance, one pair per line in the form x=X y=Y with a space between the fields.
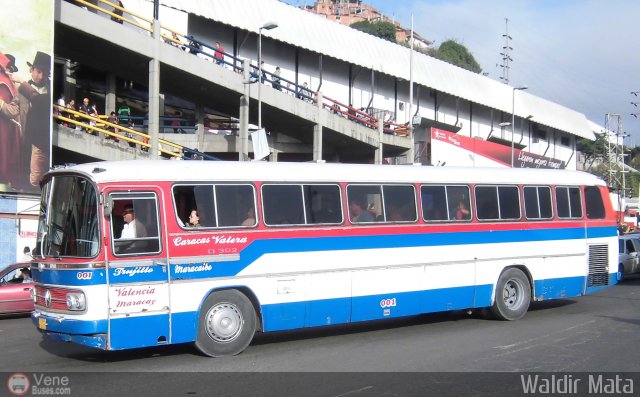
x=47 y=298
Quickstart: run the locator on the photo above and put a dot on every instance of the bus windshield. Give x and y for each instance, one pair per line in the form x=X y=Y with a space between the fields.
x=68 y=224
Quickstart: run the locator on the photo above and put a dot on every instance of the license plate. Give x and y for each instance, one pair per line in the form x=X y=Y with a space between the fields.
x=42 y=323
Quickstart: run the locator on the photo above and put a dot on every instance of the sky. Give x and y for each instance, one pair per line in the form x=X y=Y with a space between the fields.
x=582 y=54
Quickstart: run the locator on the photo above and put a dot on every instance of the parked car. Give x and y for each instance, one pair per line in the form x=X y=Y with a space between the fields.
x=15 y=289
x=629 y=254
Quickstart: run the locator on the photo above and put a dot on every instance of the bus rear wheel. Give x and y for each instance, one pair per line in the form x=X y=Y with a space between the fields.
x=513 y=295
x=227 y=324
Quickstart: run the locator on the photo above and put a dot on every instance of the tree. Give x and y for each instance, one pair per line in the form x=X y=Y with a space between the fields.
x=593 y=150
x=455 y=53
x=384 y=30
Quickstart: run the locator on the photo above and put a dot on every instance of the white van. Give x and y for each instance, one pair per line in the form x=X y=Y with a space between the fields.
x=629 y=251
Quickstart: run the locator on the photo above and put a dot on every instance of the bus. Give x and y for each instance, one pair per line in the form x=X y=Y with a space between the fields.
x=120 y=262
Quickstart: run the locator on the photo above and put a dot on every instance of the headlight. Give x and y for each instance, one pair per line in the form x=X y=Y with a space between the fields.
x=76 y=301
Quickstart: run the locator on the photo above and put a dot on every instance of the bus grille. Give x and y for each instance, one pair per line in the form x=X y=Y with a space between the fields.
x=598 y=265
x=51 y=297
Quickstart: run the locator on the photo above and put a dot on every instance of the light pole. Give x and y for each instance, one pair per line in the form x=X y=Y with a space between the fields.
x=267 y=26
x=513 y=117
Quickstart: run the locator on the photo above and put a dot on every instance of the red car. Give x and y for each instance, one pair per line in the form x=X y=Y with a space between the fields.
x=15 y=289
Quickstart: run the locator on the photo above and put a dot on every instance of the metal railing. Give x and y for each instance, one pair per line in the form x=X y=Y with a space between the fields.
x=101 y=125
x=197 y=47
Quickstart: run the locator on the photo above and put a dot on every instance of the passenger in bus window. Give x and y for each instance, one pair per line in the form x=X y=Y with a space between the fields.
x=251 y=217
x=462 y=210
x=132 y=228
x=357 y=211
x=320 y=212
x=194 y=219
x=393 y=212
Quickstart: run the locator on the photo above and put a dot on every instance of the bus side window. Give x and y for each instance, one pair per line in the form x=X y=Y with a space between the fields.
x=322 y=204
x=594 y=203
x=283 y=204
x=365 y=203
x=399 y=203
x=459 y=203
x=434 y=203
x=236 y=205
x=134 y=223
x=568 y=202
x=509 y=200
x=487 y=202
x=537 y=202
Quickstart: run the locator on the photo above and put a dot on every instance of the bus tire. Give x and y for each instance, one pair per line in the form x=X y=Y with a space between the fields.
x=226 y=325
x=513 y=295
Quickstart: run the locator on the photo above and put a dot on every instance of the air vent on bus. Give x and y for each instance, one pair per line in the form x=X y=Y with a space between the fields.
x=598 y=265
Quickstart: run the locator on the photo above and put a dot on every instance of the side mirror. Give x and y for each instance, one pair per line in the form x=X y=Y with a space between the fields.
x=107 y=205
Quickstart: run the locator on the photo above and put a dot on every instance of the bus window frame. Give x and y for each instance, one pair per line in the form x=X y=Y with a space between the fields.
x=448 y=217
x=524 y=202
x=497 y=196
x=384 y=203
x=580 y=201
x=129 y=195
x=304 y=203
x=213 y=186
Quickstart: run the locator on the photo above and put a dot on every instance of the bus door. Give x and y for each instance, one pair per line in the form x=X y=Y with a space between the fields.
x=138 y=277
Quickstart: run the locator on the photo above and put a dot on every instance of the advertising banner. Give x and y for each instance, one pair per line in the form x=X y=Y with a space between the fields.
x=26 y=63
x=460 y=150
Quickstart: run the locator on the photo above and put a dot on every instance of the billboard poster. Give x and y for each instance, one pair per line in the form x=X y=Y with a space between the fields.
x=26 y=63
x=447 y=146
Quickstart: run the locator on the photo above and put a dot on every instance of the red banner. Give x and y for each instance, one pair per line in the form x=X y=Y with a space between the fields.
x=491 y=151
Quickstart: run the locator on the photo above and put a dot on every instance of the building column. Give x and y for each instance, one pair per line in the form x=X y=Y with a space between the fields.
x=317 y=131
x=200 y=126
x=154 y=93
x=110 y=97
x=243 y=136
x=378 y=159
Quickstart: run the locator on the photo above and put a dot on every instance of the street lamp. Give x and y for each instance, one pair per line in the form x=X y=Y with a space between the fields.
x=266 y=26
x=513 y=117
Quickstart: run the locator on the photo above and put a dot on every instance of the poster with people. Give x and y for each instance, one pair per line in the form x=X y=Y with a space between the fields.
x=26 y=63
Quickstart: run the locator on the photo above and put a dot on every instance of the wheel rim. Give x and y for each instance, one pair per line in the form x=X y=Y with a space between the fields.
x=512 y=294
x=224 y=322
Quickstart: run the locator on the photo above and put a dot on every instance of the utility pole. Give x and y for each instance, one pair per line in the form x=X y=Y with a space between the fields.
x=506 y=51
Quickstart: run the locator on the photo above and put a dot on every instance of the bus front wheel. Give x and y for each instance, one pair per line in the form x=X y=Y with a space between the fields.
x=513 y=295
x=227 y=324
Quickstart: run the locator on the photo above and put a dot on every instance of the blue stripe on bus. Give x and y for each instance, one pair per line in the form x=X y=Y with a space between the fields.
x=117 y=275
x=261 y=247
x=78 y=278
x=184 y=327
x=69 y=277
x=559 y=288
x=285 y=316
x=152 y=330
x=70 y=326
x=96 y=341
x=137 y=274
x=139 y=331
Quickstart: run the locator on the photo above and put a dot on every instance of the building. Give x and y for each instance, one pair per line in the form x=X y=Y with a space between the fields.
x=348 y=12
x=359 y=107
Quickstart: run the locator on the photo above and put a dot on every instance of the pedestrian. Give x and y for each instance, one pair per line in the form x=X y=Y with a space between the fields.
x=276 y=79
x=219 y=54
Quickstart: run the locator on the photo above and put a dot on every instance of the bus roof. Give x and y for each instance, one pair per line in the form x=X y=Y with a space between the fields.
x=227 y=171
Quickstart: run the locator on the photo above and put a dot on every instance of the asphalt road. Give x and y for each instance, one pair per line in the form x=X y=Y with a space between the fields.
x=598 y=333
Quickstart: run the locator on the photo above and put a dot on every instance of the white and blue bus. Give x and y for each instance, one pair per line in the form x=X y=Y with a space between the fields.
x=222 y=250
